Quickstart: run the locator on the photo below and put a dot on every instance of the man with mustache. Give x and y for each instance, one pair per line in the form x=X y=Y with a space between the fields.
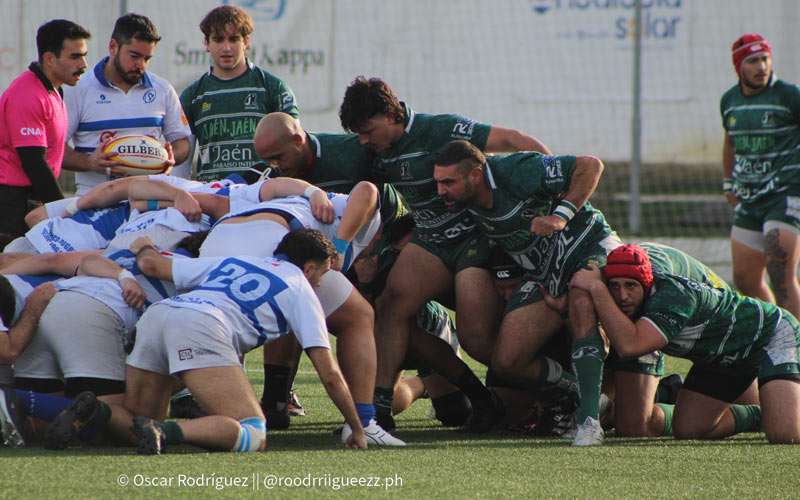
x=34 y=122
x=120 y=97
x=760 y=157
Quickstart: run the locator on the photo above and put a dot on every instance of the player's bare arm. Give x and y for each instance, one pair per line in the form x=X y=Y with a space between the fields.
x=629 y=339
x=19 y=335
x=332 y=379
x=727 y=171
x=62 y=263
x=102 y=267
x=182 y=200
x=96 y=161
x=150 y=260
x=585 y=178
x=321 y=206
x=504 y=140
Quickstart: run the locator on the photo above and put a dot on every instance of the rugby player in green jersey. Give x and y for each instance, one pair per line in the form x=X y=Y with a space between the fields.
x=730 y=338
x=446 y=252
x=634 y=381
x=761 y=164
x=224 y=105
x=338 y=162
x=535 y=207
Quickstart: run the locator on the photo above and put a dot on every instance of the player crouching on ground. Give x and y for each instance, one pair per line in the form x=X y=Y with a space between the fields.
x=731 y=339
x=236 y=304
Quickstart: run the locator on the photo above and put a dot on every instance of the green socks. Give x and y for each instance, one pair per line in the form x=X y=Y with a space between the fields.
x=746 y=418
x=667 y=409
x=173 y=432
x=587 y=363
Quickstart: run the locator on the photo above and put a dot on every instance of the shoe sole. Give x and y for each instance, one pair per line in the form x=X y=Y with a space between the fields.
x=149 y=441
x=11 y=435
x=66 y=425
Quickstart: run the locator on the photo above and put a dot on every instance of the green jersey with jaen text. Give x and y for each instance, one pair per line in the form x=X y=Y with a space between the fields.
x=669 y=260
x=765 y=132
x=408 y=166
x=223 y=115
x=525 y=186
x=707 y=324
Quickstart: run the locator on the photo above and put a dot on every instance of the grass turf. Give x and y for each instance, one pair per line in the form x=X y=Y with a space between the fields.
x=438 y=463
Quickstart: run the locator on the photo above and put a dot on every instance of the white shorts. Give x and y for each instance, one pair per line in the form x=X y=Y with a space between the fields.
x=258 y=238
x=21 y=245
x=755 y=239
x=333 y=290
x=78 y=336
x=170 y=340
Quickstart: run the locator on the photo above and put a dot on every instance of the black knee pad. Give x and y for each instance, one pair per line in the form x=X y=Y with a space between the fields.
x=43 y=385
x=453 y=409
x=99 y=386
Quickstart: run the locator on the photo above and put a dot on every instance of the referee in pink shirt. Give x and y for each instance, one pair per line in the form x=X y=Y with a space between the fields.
x=33 y=123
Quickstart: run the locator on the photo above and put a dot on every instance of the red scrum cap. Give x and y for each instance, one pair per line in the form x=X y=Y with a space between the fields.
x=748 y=45
x=630 y=261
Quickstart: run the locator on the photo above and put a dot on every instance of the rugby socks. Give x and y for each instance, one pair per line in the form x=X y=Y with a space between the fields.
x=383 y=400
x=471 y=386
x=746 y=418
x=668 y=410
x=587 y=363
x=172 y=432
x=366 y=413
x=41 y=406
x=276 y=387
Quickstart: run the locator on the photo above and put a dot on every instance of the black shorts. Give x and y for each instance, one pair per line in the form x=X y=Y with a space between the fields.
x=722 y=383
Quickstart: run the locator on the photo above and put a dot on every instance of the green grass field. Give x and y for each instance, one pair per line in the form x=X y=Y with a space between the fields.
x=438 y=463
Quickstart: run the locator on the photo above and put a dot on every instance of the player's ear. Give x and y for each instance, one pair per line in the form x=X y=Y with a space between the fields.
x=246 y=39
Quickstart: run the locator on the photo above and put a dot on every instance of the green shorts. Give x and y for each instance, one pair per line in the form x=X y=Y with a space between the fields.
x=577 y=254
x=781 y=207
x=471 y=251
x=647 y=364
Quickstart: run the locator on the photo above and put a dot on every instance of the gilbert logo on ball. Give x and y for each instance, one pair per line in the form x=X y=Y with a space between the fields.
x=137 y=154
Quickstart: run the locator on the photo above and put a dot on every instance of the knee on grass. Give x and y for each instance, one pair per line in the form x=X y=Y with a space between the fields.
x=252 y=435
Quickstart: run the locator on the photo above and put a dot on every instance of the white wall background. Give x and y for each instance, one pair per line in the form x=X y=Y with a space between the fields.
x=559 y=69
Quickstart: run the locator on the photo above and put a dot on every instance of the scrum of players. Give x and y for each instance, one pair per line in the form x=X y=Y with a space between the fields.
x=128 y=309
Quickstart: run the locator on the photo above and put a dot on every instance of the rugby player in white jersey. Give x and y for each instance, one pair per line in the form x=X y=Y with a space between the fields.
x=235 y=305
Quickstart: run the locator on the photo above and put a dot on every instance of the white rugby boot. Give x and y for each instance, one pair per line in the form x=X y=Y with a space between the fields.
x=375 y=435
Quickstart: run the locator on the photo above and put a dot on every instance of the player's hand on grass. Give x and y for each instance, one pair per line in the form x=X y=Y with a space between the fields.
x=731 y=199
x=132 y=293
x=139 y=243
x=187 y=205
x=357 y=440
x=587 y=278
x=321 y=207
x=547 y=225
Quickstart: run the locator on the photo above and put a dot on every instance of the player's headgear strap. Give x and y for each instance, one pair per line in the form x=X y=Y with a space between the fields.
x=630 y=261
x=747 y=45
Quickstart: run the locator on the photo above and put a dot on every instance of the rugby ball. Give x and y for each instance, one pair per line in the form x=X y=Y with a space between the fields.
x=137 y=154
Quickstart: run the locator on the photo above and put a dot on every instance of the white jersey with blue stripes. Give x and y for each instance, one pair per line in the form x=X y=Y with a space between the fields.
x=97 y=111
x=109 y=292
x=297 y=211
x=258 y=299
x=85 y=230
